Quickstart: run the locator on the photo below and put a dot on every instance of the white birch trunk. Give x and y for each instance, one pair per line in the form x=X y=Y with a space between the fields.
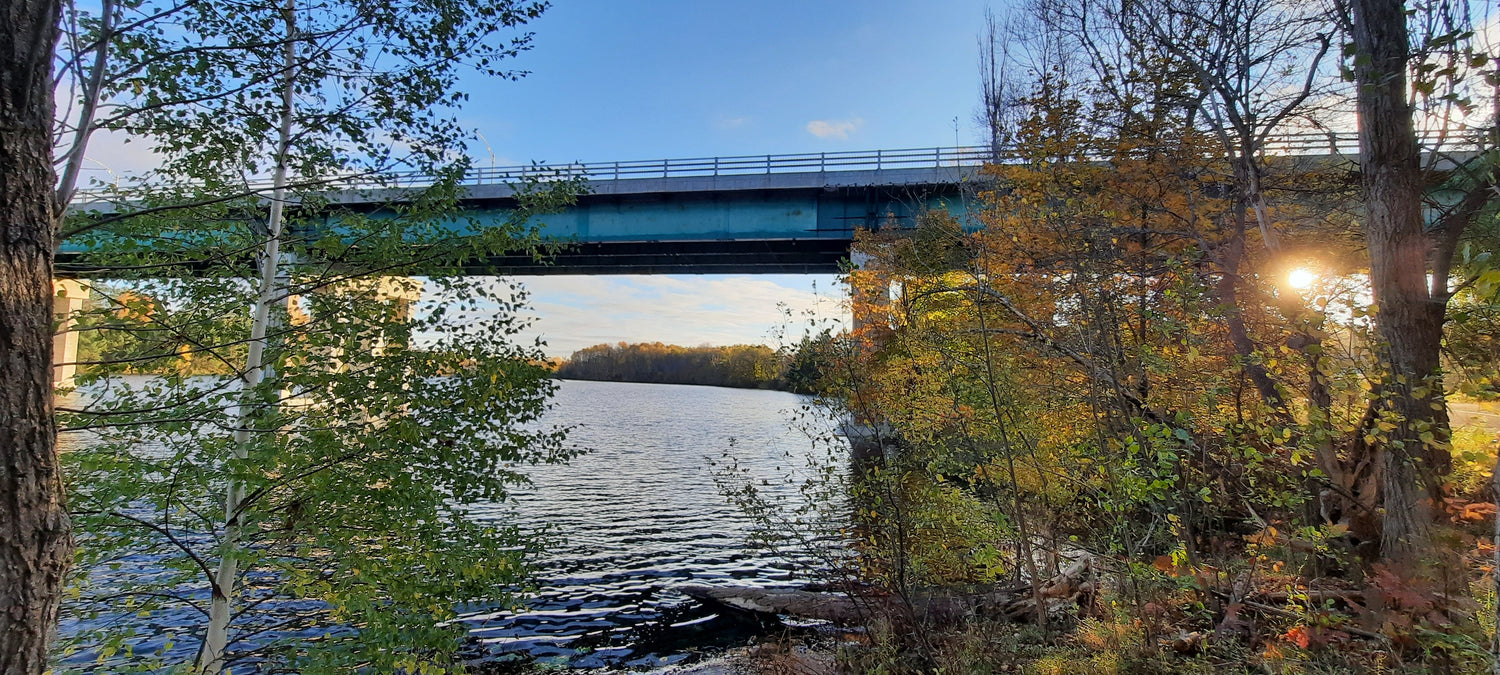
x=1268 y=234
x=216 y=638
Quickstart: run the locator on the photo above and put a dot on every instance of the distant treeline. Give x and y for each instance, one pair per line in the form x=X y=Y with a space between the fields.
x=743 y=366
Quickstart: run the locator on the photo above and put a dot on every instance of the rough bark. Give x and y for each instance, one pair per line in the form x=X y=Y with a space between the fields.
x=1408 y=320
x=35 y=541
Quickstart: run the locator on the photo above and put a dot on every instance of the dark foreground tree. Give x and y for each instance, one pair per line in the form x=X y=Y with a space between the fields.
x=1410 y=260
x=1409 y=321
x=34 y=538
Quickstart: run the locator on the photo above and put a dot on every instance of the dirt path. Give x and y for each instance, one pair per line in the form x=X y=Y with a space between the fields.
x=1481 y=414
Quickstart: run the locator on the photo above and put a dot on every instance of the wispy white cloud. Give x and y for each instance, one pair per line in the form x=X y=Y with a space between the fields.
x=834 y=128
x=731 y=122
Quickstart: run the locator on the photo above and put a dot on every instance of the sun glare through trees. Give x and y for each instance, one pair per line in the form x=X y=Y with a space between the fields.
x=1167 y=341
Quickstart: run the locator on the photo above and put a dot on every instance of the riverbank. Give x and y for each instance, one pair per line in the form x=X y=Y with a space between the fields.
x=781 y=388
x=770 y=657
x=733 y=366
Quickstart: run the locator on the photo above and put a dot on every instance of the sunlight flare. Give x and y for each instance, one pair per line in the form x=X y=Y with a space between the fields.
x=1301 y=278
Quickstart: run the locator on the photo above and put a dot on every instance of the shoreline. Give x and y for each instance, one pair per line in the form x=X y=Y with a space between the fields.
x=676 y=384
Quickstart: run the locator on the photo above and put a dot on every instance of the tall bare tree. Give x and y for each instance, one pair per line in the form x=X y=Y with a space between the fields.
x=997 y=85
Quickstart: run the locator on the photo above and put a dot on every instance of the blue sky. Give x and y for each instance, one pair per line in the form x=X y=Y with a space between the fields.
x=615 y=80
x=654 y=79
x=671 y=78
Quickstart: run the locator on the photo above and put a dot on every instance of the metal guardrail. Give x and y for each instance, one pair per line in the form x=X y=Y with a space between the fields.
x=741 y=165
x=1347 y=144
x=1297 y=144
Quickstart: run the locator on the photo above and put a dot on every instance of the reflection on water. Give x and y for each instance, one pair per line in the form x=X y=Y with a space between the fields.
x=641 y=515
x=637 y=516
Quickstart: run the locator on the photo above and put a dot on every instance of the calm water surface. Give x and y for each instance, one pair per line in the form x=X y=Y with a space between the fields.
x=640 y=515
x=637 y=516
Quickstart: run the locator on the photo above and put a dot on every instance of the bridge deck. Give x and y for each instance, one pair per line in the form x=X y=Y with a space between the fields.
x=749 y=214
x=767 y=223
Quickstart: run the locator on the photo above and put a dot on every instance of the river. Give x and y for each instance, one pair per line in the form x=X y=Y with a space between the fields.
x=641 y=514
x=638 y=515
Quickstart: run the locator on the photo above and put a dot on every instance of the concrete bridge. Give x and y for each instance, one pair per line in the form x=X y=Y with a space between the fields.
x=767 y=214
x=763 y=214
x=760 y=214
x=754 y=214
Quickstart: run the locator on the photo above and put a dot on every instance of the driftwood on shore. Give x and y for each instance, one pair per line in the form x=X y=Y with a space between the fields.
x=1016 y=603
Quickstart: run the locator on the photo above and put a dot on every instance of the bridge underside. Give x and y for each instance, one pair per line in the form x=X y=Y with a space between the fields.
x=773 y=223
x=788 y=214
x=714 y=256
x=786 y=223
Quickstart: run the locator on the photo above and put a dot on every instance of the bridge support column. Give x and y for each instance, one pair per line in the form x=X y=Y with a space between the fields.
x=67 y=300
x=870 y=437
x=398 y=293
x=870 y=298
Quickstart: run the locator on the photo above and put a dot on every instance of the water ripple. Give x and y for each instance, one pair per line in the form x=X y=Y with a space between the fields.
x=641 y=515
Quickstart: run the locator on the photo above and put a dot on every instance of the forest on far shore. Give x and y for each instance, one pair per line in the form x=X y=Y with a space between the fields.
x=741 y=366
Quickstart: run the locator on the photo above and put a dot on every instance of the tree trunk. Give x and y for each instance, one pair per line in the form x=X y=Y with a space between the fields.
x=1409 y=321
x=226 y=576
x=1495 y=571
x=92 y=95
x=35 y=541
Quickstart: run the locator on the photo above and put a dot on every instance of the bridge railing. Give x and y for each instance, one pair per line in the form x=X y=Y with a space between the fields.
x=739 y=165
x=1293 y=144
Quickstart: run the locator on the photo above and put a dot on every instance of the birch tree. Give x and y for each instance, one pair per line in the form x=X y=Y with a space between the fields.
x=256 y=111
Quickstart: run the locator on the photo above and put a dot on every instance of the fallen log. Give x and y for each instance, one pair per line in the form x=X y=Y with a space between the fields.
x=842 y=610
x=1015 y=604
